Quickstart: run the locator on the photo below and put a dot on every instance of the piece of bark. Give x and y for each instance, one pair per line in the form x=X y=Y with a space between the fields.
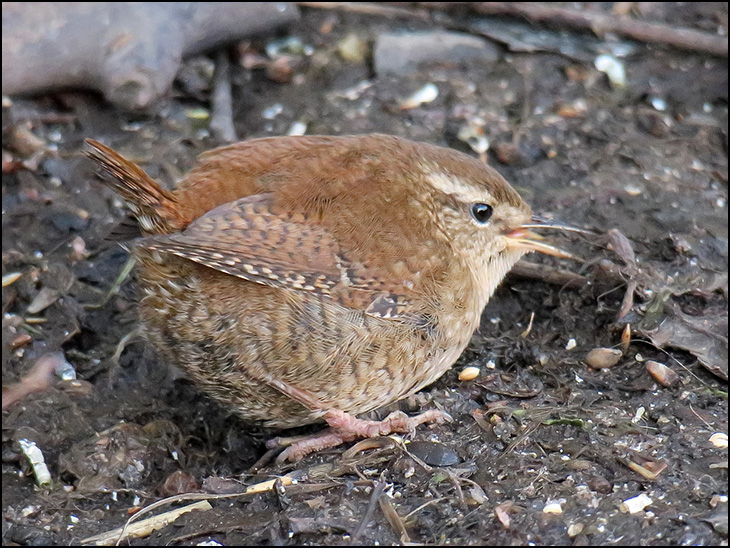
x=130 y=51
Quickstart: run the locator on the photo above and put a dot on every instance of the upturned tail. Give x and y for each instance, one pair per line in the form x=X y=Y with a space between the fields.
x=156 y=209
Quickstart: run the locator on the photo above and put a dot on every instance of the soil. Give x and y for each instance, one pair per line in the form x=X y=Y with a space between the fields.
x=543 y=449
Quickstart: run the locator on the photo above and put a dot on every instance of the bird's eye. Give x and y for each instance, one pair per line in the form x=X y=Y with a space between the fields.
x=482 y=213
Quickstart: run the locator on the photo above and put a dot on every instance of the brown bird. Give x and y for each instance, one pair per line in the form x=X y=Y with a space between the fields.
x=306 y=279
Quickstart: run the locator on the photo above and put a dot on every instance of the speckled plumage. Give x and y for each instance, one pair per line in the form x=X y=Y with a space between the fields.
x=348 y=268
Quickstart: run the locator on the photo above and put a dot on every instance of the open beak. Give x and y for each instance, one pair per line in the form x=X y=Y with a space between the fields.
x=525 y=239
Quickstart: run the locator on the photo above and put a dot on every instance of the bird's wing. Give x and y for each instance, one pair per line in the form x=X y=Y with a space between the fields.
x=253 y=239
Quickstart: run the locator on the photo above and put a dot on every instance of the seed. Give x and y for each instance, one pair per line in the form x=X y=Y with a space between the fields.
x=20 y=340
x=603 y=358
x=45 y=298
x=626 y=338
x=9 y=279
x=469 y=373
x=662 y=374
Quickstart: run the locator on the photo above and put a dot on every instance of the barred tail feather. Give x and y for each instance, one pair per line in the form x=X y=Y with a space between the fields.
x=156 y=209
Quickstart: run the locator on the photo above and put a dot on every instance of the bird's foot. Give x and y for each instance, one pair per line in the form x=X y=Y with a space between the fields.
x=344 y=428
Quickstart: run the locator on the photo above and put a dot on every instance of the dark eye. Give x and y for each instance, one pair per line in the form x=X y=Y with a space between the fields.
x=481 y=213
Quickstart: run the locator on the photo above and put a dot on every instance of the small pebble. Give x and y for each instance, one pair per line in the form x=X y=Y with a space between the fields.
x=659 y=103
x=571 y=344
x=272 y=112
x=353 y=48
x=64 y=370
x=473 y=135
x=426 y=94
x=633 y=190
x=552 y=508
x=715 y=500
x=719 y=439
x=613 y=68
x=635 y=504
x=297 y=128
x=280 y=69
x=575 y=529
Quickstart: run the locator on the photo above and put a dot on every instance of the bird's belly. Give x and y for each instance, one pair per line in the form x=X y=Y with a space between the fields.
x=230 y=335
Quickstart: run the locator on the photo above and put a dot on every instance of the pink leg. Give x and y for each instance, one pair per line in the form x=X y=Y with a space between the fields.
x=345 y=427
x=310 y=444
x=397 y=421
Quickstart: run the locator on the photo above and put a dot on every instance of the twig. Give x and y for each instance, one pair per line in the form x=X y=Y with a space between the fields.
x=547 y=274
x=628 y=301
x=118 y=282
x=124 y=341
x=121 y=533
x=145 y=527
x=221 y=122
x=599 y=23
x=394 y=519
x=367 y=9
x=378 y=489
x=38 y=379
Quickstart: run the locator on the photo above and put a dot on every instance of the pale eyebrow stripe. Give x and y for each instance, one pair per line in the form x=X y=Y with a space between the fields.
x=454 y=187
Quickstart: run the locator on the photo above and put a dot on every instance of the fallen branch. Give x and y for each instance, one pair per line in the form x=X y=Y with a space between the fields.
x=130 y=51
x=597 y=22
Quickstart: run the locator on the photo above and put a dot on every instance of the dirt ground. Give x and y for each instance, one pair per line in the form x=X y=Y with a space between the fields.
x=544 y=449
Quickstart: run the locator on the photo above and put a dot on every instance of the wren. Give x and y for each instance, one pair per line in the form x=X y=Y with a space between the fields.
x=307 y=279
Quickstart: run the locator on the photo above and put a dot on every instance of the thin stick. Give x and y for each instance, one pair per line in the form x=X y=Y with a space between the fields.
x=393 y=518
x=548 y=274
x=378 y=489
x=143 y=528
x=367 y=8
x=221 y=122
